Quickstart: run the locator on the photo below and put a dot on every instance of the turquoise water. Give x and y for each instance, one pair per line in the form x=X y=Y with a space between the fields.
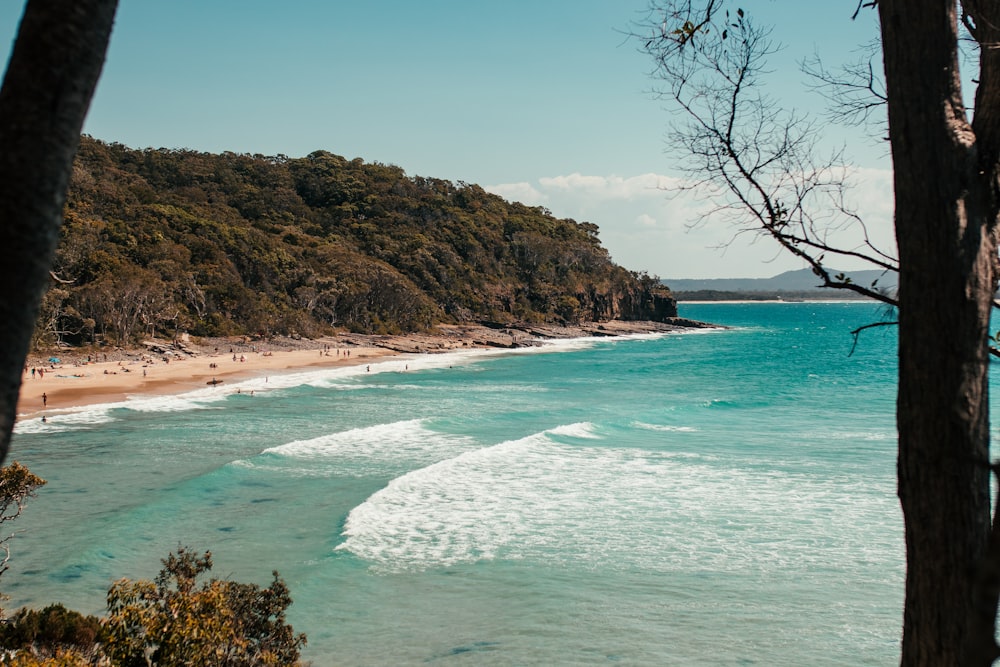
x=720 y=497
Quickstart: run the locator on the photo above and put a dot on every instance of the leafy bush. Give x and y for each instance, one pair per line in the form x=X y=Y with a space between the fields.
x=69 y=658
x=53 y=636
x=169 y=622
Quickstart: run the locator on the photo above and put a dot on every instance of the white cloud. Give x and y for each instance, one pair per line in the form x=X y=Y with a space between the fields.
x=873 y=192
x=646 y=224
x=610 y=187
x=519 y=192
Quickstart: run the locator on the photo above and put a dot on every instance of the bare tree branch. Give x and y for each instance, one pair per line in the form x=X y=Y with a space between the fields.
x=855 y=93
x=861 y=5
x=856 y=333
x=754 y=163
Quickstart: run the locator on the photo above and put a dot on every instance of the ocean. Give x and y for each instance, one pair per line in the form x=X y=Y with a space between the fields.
x=713 y=497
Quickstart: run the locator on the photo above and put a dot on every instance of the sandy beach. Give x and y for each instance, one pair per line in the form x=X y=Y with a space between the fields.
x=74 y=382
x=74 y=378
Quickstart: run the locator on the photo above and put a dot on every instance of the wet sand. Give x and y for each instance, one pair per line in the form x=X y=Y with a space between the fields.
x=166 y=367
x=71 y=385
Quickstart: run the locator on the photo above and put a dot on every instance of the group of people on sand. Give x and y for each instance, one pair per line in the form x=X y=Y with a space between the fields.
x=151 y=360
x=325 y=352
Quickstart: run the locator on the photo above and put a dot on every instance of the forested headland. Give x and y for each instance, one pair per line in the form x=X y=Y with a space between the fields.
x=160 y=242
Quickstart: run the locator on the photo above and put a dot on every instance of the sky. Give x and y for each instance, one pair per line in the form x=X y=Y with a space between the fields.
x=541 y=101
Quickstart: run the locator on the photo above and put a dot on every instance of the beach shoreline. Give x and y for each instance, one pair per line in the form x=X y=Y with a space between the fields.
x=67 y=385
x=72 y=379
x=729 y=302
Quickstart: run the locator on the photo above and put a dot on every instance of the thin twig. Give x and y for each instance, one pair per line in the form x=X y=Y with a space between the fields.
x=857 y=332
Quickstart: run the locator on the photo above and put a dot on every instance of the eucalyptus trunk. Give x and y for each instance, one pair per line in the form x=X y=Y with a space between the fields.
x=50 y=79
x=945 y=214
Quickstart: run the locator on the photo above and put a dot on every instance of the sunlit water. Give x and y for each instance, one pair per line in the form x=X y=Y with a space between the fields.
x=720 y=497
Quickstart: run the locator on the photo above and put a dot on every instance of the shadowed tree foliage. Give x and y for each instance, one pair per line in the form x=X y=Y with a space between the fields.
x=170 y=240
x=53 y=636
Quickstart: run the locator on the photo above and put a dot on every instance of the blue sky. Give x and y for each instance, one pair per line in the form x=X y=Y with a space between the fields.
x=544 y=101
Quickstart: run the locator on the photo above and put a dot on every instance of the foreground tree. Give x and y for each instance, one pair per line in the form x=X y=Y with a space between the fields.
x=945 y=177
x=54 y=636
x=170 y=621
x=759 y=166
x=50 y=79
x=17 y=485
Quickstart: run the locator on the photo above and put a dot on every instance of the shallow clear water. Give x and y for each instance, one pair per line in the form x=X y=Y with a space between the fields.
x=707 y=498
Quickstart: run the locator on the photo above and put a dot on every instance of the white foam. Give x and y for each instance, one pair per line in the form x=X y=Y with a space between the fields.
x=697 y=331
x=620 y=508
x=101 y=413
x=386 y=448
x=564 y=344
x=329 y=378
x=585 y=430
x=664 y=427
x=860 y=435
x=336 y=444
x=197 y=400
x=63 y=420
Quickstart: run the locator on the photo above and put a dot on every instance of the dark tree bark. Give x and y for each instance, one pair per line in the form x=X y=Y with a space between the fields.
x=944 y=170
x=946 y=206
x=46 y=92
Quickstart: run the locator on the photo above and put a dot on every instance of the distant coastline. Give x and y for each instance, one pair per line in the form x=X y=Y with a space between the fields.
x=801 y=285
x=714 y=296
x=790 y=302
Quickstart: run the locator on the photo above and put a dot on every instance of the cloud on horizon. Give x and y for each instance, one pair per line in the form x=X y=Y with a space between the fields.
x=594 y=188
x=648 y=225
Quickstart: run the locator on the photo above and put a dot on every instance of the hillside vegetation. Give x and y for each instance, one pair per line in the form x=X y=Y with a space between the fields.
x=167 y=241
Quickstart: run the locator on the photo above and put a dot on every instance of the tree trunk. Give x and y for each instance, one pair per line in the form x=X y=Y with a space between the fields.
x=944 y=222
x=46 y=92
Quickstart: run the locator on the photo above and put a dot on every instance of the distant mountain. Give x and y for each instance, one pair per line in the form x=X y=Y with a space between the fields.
x=803 y=280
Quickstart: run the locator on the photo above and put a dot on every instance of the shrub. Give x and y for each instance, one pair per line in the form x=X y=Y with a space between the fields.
x=171 y=622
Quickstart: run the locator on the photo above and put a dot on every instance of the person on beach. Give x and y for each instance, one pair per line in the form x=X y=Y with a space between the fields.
x=45 y=399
